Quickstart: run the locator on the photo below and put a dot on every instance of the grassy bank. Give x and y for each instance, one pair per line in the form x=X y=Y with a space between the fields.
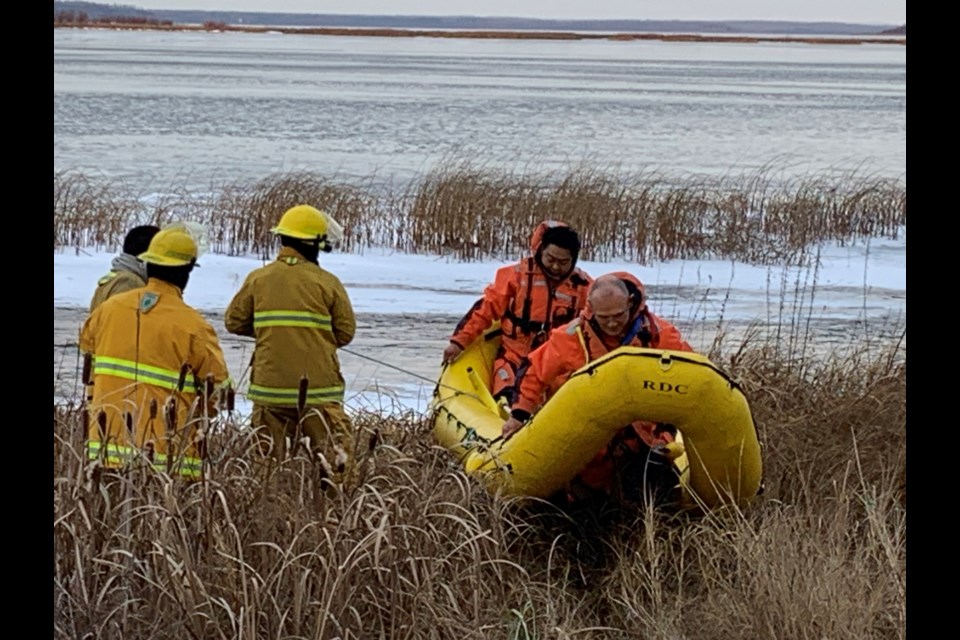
x=414 y=549
x=411 y=547
x=476 y=213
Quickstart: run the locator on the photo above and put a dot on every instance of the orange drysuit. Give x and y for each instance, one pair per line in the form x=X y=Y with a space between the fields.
x=528 y=305
x=580 y=342
x=152 y=357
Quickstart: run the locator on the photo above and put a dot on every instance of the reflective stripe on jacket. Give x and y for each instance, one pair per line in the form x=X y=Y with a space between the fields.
x=299 y=314
x=140 y=372
x=151 y=353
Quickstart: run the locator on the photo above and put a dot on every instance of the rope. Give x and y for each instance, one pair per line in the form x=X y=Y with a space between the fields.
x=456 y=390
x=411 y=373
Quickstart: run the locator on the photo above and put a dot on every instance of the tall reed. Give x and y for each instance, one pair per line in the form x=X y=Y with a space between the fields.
x=473 y=212
x=411 y=547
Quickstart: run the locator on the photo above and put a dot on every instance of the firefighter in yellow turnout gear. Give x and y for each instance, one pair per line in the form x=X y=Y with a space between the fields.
x=158 y=369
x=127 y=271
x=299 y=314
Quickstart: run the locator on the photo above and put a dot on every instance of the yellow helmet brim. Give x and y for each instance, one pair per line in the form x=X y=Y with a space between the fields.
x=165 y=261
x=290 y=233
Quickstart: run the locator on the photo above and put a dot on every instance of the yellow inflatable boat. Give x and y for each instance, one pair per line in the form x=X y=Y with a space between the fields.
x=717 y=453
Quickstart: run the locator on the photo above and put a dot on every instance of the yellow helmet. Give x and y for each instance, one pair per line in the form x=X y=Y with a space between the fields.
x=172 y=247
x=303 y=222
x=197 y=231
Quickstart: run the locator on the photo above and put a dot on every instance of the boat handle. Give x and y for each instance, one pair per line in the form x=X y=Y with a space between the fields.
x=666 y=361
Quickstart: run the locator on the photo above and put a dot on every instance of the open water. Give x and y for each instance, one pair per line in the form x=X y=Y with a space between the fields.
x=193 y=109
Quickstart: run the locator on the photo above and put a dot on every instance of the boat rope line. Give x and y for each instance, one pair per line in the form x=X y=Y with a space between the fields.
x=400 y=369
x=411 y=373
x=589 y=369
x=471 y=440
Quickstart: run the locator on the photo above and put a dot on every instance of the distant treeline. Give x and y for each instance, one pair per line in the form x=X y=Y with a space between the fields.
x=69 y=17
x=95 y=12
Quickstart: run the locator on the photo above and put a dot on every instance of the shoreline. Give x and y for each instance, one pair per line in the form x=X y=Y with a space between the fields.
x=489 y=35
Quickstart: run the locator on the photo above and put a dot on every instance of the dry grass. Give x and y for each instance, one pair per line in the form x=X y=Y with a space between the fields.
x=414 y=549
x=474 y=213
x=90 y=213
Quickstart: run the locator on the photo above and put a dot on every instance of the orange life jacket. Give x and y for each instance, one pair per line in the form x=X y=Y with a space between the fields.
x=580 y=341
x=645 y=328
x=539 y=304
x=527 y=303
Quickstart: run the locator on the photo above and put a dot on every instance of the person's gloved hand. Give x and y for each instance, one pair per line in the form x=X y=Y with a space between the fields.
x=670 y=450
x=452 y=352
x=510 y=427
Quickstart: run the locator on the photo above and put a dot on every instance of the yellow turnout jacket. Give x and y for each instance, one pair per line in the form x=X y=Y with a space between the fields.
x=299 y=314
x=113 y=283
x=152 y=354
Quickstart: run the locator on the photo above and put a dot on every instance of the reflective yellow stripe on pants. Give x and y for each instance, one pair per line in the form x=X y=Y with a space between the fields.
x=116 y=456
x=288 y=397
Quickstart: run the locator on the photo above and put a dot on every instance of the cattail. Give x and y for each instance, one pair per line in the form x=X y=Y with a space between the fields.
x=182 y=381
x=302 y=395
x=87 y=369
x=102 y=425
x=201 y=442
x=84 y=422
x=170 y=417
x=210 y=386
x=170 y=422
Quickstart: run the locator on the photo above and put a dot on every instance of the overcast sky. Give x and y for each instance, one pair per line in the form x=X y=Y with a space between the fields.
x=858 y=11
